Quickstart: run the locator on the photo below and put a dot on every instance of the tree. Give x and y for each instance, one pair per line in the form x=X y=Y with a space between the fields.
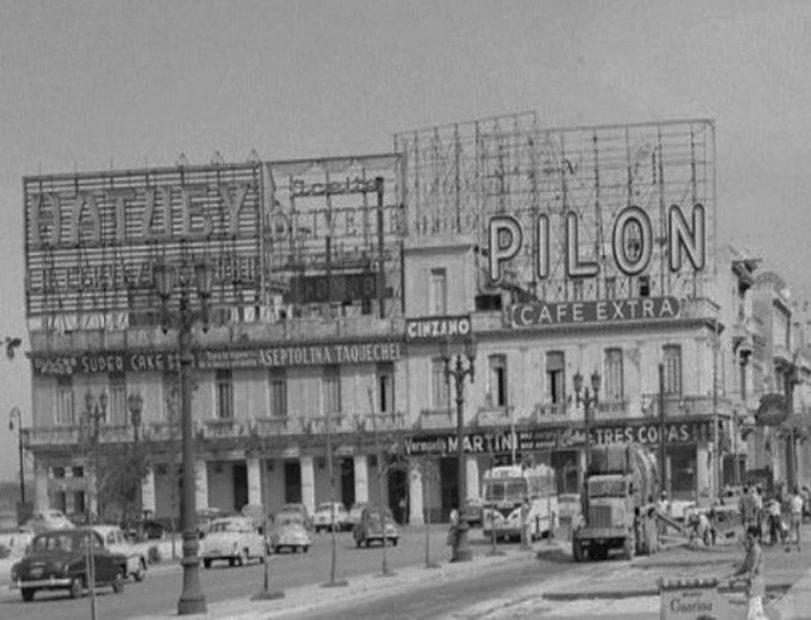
x=119 y=479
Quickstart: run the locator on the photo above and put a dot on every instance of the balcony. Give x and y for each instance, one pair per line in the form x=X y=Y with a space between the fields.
x=437 y=418
x=494 y=416
x=225 y=428
x=610 y=409
x=76 y=434
x=546 y=413
x=271 y=426
x=290 y=330
x=681 y=406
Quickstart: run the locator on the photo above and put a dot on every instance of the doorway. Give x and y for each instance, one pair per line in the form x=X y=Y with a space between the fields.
x=239 y=472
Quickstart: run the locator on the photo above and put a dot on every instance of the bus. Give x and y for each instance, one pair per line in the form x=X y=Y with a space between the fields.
x=503 y=491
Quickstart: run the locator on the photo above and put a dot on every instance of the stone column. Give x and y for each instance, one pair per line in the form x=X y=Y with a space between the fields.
x=307 y=483
x=201 y=484
x=254 y=481
x=703 y=472
x=148 y=490
x=361 y=478
x=415 y=504
x=471 y=477
x=41 y=501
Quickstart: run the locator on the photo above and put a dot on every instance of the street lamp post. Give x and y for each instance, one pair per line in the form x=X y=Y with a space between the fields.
x=588 y=400
x=95 y=410
x=16 y=413
x=455 y=367
x=192 y=600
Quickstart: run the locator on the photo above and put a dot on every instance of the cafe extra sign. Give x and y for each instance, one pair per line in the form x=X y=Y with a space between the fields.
x=603 y=311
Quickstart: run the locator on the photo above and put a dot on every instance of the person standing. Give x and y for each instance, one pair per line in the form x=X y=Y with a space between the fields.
x=525 y=523
x=747 y=508
x=751 y=572
x=758 y=499
x=796 y=516
x=453 y=529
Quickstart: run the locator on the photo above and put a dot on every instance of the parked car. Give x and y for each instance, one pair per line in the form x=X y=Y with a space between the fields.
x=234 y=539
x=356 y=511
x=58 y=560
x=376 y=526
x=290 y=532
x=115 y=540
x=299 y=509
x=473 y=511
x=323 y=518
x=205 y=518
x=49 y=520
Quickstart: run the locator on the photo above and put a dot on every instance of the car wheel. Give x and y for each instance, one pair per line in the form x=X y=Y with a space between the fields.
x=118 y=583
x=28 y=594
x=358 y=542
x=294 y=548
x=394 y=542
x=277 y=549
x=76 y=587
x=207 y=562
x=305 y=548
x=232 y=561
x=140 y=574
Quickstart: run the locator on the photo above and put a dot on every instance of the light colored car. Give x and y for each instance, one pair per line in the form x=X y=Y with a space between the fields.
x=568 y=507
x=376 y=527
x=116 y=542
x=234 y=539
x=289 y=532
x=323 y=518
x=49 y=520
x=299 y=509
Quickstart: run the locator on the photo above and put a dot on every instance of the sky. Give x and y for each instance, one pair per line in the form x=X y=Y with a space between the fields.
x=86 y=86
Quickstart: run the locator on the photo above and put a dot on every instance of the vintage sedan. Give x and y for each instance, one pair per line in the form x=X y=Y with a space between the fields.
x=59 y=560
x=376 y=526
x=290 y=532
x=115 y=540
x=234 y=539
x=328 y=513
x=356 y=511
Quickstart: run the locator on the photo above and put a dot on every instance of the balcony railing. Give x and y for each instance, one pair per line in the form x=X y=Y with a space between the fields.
x=685 y=405
x=494 y=416
x=383 y=422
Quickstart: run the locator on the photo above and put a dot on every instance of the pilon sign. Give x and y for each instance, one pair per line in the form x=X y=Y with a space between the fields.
x=631 y=242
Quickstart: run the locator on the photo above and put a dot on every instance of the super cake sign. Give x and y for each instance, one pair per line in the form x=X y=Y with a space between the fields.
x=631 y=240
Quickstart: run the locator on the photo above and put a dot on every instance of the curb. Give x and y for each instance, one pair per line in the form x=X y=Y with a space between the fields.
x=772 y=588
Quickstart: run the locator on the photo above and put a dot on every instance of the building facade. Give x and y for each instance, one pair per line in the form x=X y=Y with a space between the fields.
x=337 y=284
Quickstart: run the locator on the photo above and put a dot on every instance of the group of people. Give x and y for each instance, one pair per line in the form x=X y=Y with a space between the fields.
x=780 y=517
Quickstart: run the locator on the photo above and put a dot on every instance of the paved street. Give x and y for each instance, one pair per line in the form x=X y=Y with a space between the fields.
x=518 y=585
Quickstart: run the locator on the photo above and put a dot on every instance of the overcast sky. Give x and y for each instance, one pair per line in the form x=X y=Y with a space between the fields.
x=89 y=85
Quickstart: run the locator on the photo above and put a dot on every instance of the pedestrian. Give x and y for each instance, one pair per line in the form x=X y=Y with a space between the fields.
x=796 y=516
x=525 y=523
x=751 y=572
x=775 y=521
x=453 y=529
x=403 y=510
x=758 y=499
x=747 y=508
x=661 y=508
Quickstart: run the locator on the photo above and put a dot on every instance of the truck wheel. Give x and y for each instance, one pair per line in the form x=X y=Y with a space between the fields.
x=628 y=548
x=76 y=587
x=577 y=550
x=28 y=594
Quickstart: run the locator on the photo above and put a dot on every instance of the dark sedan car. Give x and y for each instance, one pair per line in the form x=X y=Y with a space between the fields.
x=58 y=560
x=375 y=527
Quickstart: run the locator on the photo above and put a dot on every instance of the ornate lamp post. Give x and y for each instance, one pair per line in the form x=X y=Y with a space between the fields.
x=588 y=400
x=167 y=278
x=16 y=413
x=95 y=410
x=136 y=405
x=455 y=367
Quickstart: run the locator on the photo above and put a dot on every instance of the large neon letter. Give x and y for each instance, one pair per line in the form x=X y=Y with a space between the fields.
x=574 y=267
x=683 y=237
x=499 y=227
x=632 y=265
